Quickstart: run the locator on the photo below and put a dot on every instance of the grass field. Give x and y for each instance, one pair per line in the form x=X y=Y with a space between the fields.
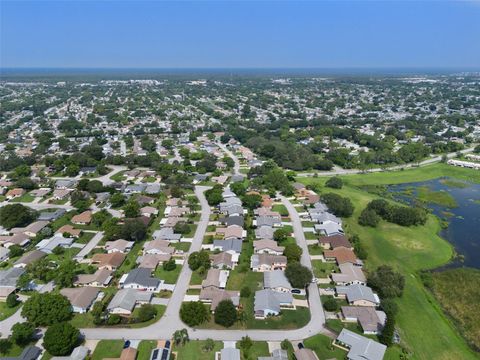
x=194 y=350
x=322 y=346
x=170 y=277
x=145 y=349
x=409 y=250
x=259 y=348
x=461 y=304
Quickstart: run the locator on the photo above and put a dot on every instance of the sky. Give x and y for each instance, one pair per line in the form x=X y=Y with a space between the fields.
x=239 y=34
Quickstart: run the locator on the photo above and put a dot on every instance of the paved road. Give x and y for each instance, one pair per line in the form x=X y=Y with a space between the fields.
x=170 y=321
x=236 y=167
x=89 y=246
x=339 y=171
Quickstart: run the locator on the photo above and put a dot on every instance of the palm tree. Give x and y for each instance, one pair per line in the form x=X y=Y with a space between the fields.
x=181 y=337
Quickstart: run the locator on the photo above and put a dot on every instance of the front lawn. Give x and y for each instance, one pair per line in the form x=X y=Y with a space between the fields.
x=170 y=277
x=323 y=269
x=6 y=312
x=108 y=349
x=145 y=349
x=322 y=346
x=194 y=350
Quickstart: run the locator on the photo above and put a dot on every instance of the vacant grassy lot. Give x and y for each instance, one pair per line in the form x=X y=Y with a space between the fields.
x=170 y=277
x=458 y=291
x=194 y=350
x=6 y=312
x=409 y=250
x=259 y=348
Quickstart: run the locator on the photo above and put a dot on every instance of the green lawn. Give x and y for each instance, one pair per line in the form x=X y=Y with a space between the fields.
x=85 y=237
x=170 y=277
x=322 y=346
x=259 y=348
x=108 y=349
x=194 y=350
x=184 y=246
x=409 y=250
x=315 y=249
x=6 y=312
x=118 y=176
x=145 y=349
x=281 y=209
x=323 y=269
x=26 y=198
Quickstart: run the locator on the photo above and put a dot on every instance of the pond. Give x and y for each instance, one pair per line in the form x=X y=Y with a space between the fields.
x=455 y=202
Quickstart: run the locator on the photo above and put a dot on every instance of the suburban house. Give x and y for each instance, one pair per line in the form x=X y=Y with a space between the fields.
x=277 y=281
x=358 y=295
x=48 y=245
x=8 y=281
x=20 y=239
x=139 y=279
x=166 y=234
x=214 y=296
x=349 y=274
x=234 y=245
x=31 y=230
x=267 y=247
x=232 y=232
x=216 y=278
x=110 y=261
x=125 y=300
x=277 y=354
x=329 y=228
x=65 y=184
x=267 y=221
x=230 y=353
x=264 y=232
x=51 y=215
x=148 y=211
x=341 y=256
x=29 y=258
x=270 y=303
x=82 y=219
x=224 y=260
x=61 y=194
x=237 y=220
x=359 y=347
x=267 y=262
x=70 y=230
x=100 y=278
x=14 y=193
x=81 y=298
x=151 y=261
x=120 y=245
x=334 y=241
x=158 y=247
x=370 y=320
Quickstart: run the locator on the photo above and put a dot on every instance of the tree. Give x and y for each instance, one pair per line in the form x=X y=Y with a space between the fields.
x=214 y=195
x=181 y=228
x=169 y=265
x=15 y=250
x=133 y=230
x=132 y=209
x=199 y=259
x=245 y=292
x=386 y=282
x=293 y=252
x=65 y=274
x=194 y=313
x=5 y=346
x=16 y=215
x=146 y=312
x=61 y=338
x=368 y=217
x=12 y=300
x=225 y=313
x=252 y=201
x=208 y=345
x=298 y=275
x=330 y=304
x=117 y=200
x=334 y=183
x=181 y=337
x=285 y=344
x=339 y=205
x=46 y=309
x=245 y=345
x=280 y=235
x=386 y=336
x=22 y=333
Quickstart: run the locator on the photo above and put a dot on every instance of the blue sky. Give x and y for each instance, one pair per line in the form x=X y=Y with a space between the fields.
x=312 y=34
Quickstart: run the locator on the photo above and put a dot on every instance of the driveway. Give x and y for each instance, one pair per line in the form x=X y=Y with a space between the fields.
x=90 y=245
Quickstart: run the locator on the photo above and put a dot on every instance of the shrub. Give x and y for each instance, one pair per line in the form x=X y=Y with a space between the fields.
x=60 y=339
x=330 y=304
x=339 y=205
x=146 y=312
x=245 y=292
x=386 y=282
x=194 y=313
x=169 y=265
x=22 y=333
x=368 y=217
x=298 y=275
x=334 y=183
x=226 y=313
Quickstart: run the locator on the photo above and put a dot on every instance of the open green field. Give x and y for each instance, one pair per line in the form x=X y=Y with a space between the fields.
x=409 y=250
x=462 y=304
x=194 y=350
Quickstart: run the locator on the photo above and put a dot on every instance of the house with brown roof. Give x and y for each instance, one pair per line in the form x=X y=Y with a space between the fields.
x=223 y=260
x=341 y=255
x=334 y=241
x=31 y=230
x=151 y=261
x=20 y=239
x=158 y=247
x=14 y=193
x=81 y=298
x=69 y=229
x=101 y=278
x=370 y=320
x=267 y=247
x=29 y=258
x=60 y=194
x=216 y=278
x=120 y=245
x=148 y=211
x=110 y=261
x=267 y=262
x=232 y=232
x=214 y=296
x=83 y=219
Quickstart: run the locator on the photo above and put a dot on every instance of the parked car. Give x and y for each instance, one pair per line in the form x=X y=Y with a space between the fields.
x=126 y=344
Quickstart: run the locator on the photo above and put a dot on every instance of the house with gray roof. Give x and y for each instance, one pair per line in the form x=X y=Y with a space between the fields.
x=277 y=354
x=358 y=295
x=267 y=221
x=152 y=189
x=329 y=229
x=276 y=280
x=139 y=279
x=9 y=277
x=51 y=215
x=370 y=319
x=325 y=217
x=29 y=353
x=230 y=354
x=228 y=245
x=48 y=245
x=79 y=353
x=349 y=274
x=233 y=210
x=270 y=303
x=135 y=188
x=360 y=347
x=166 y=234
x=29 y=258
x=125 y=300
x=65 y=184
x=264 y=232
x=233 y=220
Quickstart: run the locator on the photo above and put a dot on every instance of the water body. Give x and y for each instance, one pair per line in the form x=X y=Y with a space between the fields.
x=463 y=231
